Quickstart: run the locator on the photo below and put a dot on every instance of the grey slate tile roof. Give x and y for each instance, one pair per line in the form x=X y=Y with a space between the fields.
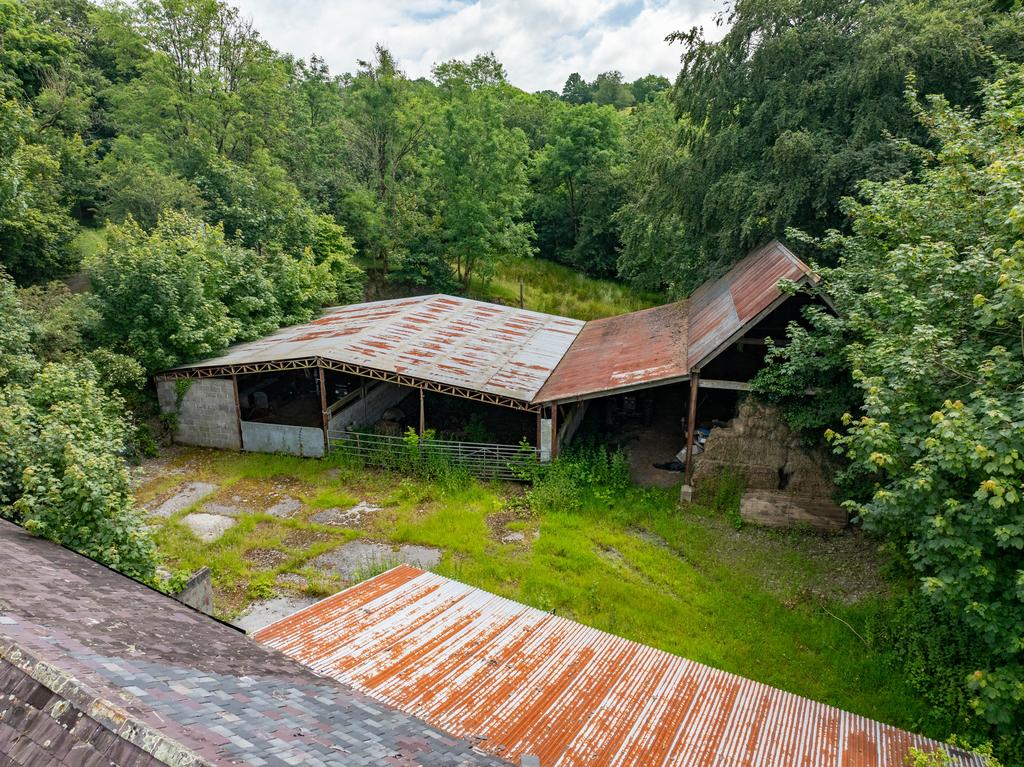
x=174 y=685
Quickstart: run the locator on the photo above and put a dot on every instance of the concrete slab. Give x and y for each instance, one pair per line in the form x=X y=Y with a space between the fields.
x=359 y=557
x=208 y=527
x=286 y=507
x=225 y=510
x=187 y=495
x=352 y=517
x=263 y=613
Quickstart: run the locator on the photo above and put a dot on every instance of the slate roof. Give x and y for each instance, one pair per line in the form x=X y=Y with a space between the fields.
x=84 y=647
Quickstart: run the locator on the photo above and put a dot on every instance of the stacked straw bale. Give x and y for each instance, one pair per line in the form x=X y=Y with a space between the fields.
x=785 y=483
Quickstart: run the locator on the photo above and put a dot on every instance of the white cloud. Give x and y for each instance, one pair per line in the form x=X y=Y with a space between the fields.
x=540 y=42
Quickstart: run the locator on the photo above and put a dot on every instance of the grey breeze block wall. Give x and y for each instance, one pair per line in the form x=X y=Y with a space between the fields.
x=207 y=416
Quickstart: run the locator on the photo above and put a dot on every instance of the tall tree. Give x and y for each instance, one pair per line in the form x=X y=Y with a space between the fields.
x=608 y=88
x=577 y=188
x=576 y=90
x=803 y=98
x=389 y=125
x=479 y=174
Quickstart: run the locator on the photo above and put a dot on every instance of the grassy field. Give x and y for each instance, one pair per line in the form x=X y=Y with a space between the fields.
x=556 y=289
x=782 y=608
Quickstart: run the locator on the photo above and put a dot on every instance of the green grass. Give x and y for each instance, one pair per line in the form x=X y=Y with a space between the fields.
x=88 y=242
x=749 y=601
x=556 y=289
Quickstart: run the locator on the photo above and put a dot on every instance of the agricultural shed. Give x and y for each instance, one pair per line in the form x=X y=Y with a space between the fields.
x=307 y=388
x=535 y=688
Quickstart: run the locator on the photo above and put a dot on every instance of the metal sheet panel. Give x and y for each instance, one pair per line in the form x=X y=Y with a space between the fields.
x=630 y=350
x=524 y=682
x=720 y=309
x=455 y=341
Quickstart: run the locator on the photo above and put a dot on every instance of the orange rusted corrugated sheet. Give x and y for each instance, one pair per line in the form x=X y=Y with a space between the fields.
x=525 y=682
x=449 y=340
x=660 y=345
x=720 y=309
x=621 y=352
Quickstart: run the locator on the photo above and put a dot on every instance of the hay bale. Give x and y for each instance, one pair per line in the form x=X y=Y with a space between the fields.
x=806 y=475
x=388 y=428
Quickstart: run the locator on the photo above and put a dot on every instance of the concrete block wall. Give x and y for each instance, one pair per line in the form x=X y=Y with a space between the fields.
x=198 y=591
x=207 y=416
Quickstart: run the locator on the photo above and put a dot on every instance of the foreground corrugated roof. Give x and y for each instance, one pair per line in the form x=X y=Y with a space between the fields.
x=97 y=662
x=500 y=350
x=525 y=682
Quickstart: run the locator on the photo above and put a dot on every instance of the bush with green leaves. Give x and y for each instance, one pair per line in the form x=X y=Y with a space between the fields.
x=930 y=286
x=185 y=291
x=62 y=475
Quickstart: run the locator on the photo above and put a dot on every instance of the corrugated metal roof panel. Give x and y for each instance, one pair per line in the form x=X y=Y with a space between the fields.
x=619 y=352
x=444 y=339
x=720 y=309
x=522 y=682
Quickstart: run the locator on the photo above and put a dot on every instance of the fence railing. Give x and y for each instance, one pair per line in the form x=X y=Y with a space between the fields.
x=480 y=459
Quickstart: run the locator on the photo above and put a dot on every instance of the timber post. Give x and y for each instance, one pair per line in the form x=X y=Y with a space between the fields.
x=423 y=414
x=691 y=426
x=325 y=417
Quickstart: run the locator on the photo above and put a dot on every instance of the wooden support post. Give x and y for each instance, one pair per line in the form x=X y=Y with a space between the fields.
x=554 y=432
x=238 y=409
x=691 y=423
x=423 y=415
x=540 y=426
x=325 y=417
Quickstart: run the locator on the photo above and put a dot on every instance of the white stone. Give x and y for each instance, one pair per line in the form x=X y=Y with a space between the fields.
x=208 y=527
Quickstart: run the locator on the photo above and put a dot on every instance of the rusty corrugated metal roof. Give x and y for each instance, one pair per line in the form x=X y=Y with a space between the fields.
x=449 y=340
x=621 y=352
x=664 y=344
x=525 y=682
x=720 y=309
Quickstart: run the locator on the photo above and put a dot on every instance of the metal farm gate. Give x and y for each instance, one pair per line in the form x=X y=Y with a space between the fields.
x=487 y=461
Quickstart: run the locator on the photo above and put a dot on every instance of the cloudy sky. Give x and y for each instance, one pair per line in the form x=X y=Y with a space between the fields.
x=539 y=41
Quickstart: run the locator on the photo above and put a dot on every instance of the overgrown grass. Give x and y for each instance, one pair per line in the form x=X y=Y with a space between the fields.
x=556 y=289
x=630 y=562
x=88 y=242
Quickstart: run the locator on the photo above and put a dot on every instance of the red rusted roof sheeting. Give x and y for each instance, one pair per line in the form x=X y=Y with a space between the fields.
x=720 y=309
x=621 y=352
x=659 y=345
x=525 y=682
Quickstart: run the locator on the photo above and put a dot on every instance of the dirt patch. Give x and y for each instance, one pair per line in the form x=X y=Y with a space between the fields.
x=848 y=565
x=515 y=511
x=265 y=559
x=648 y=537
x=292 y=580
x=303 y=539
